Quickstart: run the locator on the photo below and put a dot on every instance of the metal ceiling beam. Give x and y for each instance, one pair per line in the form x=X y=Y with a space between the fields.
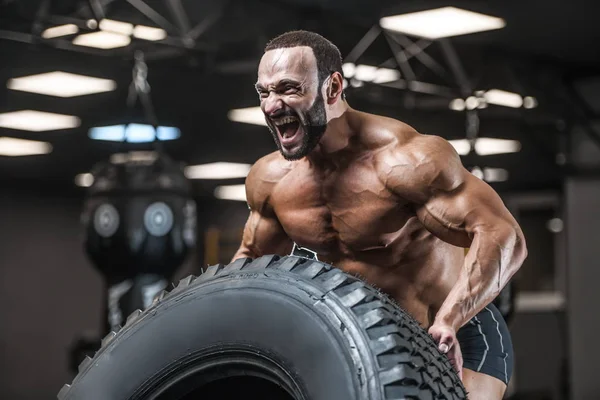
x=206 y=23
x=456 y=67
x=363 y=44
x=97 y=9
x=153 y=15
x=180 y=16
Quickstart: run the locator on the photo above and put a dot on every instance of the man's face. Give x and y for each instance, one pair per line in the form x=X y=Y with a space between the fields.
x=290 y=97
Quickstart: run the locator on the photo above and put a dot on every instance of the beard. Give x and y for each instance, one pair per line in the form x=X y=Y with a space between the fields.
x=313 y=124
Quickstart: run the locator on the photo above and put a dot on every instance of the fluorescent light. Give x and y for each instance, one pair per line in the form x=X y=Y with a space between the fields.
x=503 y=98
x=61 y=84
x=167 y=133
x=495 y=174
x=21 y=147
x=530 y=102
x=149 y=33
x=441 y=22
x=140 y=133
x=370 y=73
x=145 y=157
x=37 y=121
x=61 y=30
x=114 y=133
x=365 y=73
x=84 y=180
x=231 y=192
x=488 y=146
x=250 y=115
x=472 y=102
x=349 y=69
x=102 y=40
x=385 y=75
x=134 y=133
x=217 y=170
x=123 y=28
x=477 y=172
x=461 y=146
x=457 y=105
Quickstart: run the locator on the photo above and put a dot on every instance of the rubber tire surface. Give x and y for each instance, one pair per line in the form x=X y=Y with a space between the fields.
x=339 y=338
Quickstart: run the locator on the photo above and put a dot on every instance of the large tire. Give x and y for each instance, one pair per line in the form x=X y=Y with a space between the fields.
x=312 y=329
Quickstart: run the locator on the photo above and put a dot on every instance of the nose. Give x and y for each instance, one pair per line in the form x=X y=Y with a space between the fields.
x=272 y=104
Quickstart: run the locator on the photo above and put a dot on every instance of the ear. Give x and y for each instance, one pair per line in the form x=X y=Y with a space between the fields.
x=334 y=88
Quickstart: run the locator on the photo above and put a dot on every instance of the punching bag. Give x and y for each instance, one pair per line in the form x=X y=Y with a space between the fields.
x=140 y=224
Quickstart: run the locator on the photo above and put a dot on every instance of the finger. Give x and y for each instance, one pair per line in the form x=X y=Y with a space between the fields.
x=444 y=348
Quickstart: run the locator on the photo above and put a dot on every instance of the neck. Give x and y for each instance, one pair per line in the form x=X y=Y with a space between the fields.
x=336 y=139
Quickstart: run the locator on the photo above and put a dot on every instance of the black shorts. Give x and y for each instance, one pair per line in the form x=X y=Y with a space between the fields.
x=486 y=345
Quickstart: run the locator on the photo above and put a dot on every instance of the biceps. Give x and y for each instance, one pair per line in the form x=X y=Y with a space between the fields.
x=265 y=235
x=457 y=216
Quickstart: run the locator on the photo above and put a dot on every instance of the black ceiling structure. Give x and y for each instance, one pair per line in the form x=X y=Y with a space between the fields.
x=207 y=66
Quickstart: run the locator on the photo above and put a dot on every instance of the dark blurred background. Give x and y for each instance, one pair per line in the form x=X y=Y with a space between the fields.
x=200 y=63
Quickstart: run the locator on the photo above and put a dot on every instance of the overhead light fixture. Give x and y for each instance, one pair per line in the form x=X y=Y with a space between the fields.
x=20 y=147
x=217 y=170
x=134 y=133
x=61 y=30
x=37 y=121
x=231 y=192
x=61 y=84
x=489 y=146
x=114 y=133
x=164 y=133
x=123 y=28
x=486 y=146
x=370 y=73
x=84 y=180
x=457 y=105
x=149 y=33
x=250 y=115
x=530 y=102
x=461 y=146
x=441 y=22
x=102 y=40
x=490 y=174
x=145 y=157
x=140 y=133
x=503 y=98
x=495 y=174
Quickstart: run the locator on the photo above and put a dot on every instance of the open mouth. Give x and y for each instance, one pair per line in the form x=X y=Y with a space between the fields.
x=288 y=129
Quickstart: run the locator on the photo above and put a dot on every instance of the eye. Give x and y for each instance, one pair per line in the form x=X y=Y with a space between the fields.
x=290 y=89
x=263 y=94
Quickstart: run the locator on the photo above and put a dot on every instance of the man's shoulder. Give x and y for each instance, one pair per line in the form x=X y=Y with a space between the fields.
x=264 y=174
x=270 y=168
x=410 y=159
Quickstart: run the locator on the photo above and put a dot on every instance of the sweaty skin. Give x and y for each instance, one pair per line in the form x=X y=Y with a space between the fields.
x=376 y=198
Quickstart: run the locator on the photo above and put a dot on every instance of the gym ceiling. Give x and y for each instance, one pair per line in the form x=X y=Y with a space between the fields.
x=545 y=51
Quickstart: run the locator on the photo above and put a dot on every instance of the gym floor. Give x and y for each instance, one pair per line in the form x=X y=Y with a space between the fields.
x=529 y=84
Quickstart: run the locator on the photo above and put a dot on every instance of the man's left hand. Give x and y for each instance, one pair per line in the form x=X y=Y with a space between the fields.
x=445 y=337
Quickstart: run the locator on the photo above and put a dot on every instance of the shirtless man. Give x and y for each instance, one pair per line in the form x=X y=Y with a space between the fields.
x=372 y=196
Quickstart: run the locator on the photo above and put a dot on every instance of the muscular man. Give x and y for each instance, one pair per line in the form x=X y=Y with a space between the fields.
x=372 y=196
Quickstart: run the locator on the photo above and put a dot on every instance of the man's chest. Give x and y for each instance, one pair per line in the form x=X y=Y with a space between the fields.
x=349 y=209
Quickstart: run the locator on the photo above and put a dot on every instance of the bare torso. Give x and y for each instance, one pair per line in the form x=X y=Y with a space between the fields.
x=345 y=212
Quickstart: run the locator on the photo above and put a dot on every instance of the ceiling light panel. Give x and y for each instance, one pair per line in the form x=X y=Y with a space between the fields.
x=37 y=121
x=441 y=22
x=102 y=40
x=61 y=84
x=13 y=147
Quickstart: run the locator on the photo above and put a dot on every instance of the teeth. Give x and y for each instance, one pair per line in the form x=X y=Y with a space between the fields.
x=285 y=120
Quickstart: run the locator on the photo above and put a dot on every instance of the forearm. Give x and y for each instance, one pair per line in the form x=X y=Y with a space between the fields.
x=492 y=260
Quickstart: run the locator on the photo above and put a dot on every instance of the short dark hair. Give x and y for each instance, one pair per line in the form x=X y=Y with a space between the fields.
x=329 y=58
